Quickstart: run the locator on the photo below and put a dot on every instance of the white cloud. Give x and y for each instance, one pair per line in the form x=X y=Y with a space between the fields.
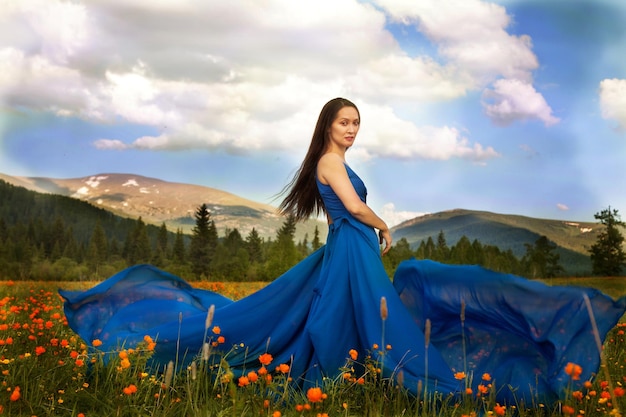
x=613 y=100
x=393 y=217
x=512 y=100
x=110 y=144
x=241 y=77
x=470 y=34
x=562 y=207
x=391 y=136
x=471 y=37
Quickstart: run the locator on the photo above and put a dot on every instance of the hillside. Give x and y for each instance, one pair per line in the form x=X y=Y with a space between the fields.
x=157 y=201
x=174 y=204
x=507 y=232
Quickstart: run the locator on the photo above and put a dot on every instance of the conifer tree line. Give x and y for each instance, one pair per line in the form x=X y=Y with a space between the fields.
x=49 y=237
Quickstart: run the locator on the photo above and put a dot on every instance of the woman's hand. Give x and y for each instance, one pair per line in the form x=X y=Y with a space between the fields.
x=385 y=236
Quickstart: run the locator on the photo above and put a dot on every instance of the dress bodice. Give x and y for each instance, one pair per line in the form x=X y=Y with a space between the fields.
x=333 y=205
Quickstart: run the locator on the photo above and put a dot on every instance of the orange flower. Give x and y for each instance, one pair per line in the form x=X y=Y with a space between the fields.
x=299 y=408
x=217 y=330
x=483 y=389
x=253 y=376
x=125 y=363
x=353 y=354
x=221 y=339
x=459 y=375
x=499 y=409
x=578 y=395
x=568 y=410
x=40 y=350
x=588 y=384
x=131 y=389
x=263 y=370
x=618 y=391
x=283 y=367
x=276 y=414
x=468 y=391
x=16 y=394
x=360 y=381
x=243 y=381
x=266 y=359
x=486 y=377
x=573 y=370
x=96 y=342
x=79 y=362
x=315 y=395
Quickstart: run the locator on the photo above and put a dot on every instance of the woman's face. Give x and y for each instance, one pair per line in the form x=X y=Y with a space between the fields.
x=344 y=128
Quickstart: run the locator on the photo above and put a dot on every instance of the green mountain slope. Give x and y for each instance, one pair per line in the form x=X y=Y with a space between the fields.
x=507 y=232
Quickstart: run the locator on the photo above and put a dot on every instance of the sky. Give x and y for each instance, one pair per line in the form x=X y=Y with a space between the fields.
x=515 y=107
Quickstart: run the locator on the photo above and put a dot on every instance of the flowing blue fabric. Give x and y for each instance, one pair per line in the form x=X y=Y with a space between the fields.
x=523 y=333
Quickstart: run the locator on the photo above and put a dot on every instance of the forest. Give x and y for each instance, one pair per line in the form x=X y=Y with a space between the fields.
x=51 y=237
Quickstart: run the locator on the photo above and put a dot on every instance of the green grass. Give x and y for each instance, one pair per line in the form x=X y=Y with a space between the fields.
x=59 y=374
x=612 y=286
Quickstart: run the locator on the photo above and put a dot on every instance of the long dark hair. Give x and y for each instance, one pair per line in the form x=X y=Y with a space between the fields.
x=303 y=198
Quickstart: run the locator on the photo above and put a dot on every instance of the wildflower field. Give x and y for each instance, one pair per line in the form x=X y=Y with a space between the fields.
x=46 y=370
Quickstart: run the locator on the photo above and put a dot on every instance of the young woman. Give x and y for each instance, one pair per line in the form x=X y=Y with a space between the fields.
x=434 y=322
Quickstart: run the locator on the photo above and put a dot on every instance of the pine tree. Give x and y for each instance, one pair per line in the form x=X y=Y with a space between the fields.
x=97 y=252
x=137 y=247
x=283 y=253
x=540 y=260
x=178 y=250
x=442 y=251
x=607 y=254
x=203 y=242
x=160 y=255
x=316 y=243
x=254 y=246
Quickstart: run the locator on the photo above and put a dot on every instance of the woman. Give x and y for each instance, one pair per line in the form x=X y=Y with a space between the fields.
x=328 y=307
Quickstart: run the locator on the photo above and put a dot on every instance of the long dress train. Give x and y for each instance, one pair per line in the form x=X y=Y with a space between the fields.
x=523 y=333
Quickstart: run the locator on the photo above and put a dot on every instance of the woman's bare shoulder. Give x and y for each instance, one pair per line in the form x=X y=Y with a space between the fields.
x=330 y=159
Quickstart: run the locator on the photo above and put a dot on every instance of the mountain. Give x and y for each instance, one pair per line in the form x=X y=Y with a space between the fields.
x=174 y=204
x=157 y=201
x=506 y=231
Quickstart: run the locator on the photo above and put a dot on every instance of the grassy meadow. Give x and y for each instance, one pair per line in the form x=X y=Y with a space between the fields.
x=46 y=370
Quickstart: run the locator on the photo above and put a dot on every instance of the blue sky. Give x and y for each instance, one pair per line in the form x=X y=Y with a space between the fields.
x=508 y=106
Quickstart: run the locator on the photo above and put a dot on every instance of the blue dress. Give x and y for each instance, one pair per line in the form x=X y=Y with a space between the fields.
x=522 y=333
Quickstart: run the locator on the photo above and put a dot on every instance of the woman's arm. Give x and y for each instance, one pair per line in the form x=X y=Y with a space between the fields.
x=331 y=171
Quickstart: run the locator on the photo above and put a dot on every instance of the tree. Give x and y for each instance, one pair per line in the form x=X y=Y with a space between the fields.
x=137 y=248
x=607 y=254
x=283 y=253
x=316 y=243
x=254 y=246
x=442 y=252
x=98 y=248
x=203 y=242
x=540 y=260
x=161 y=246
x=462 y=252
x=178 y=250
x=400 y=251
